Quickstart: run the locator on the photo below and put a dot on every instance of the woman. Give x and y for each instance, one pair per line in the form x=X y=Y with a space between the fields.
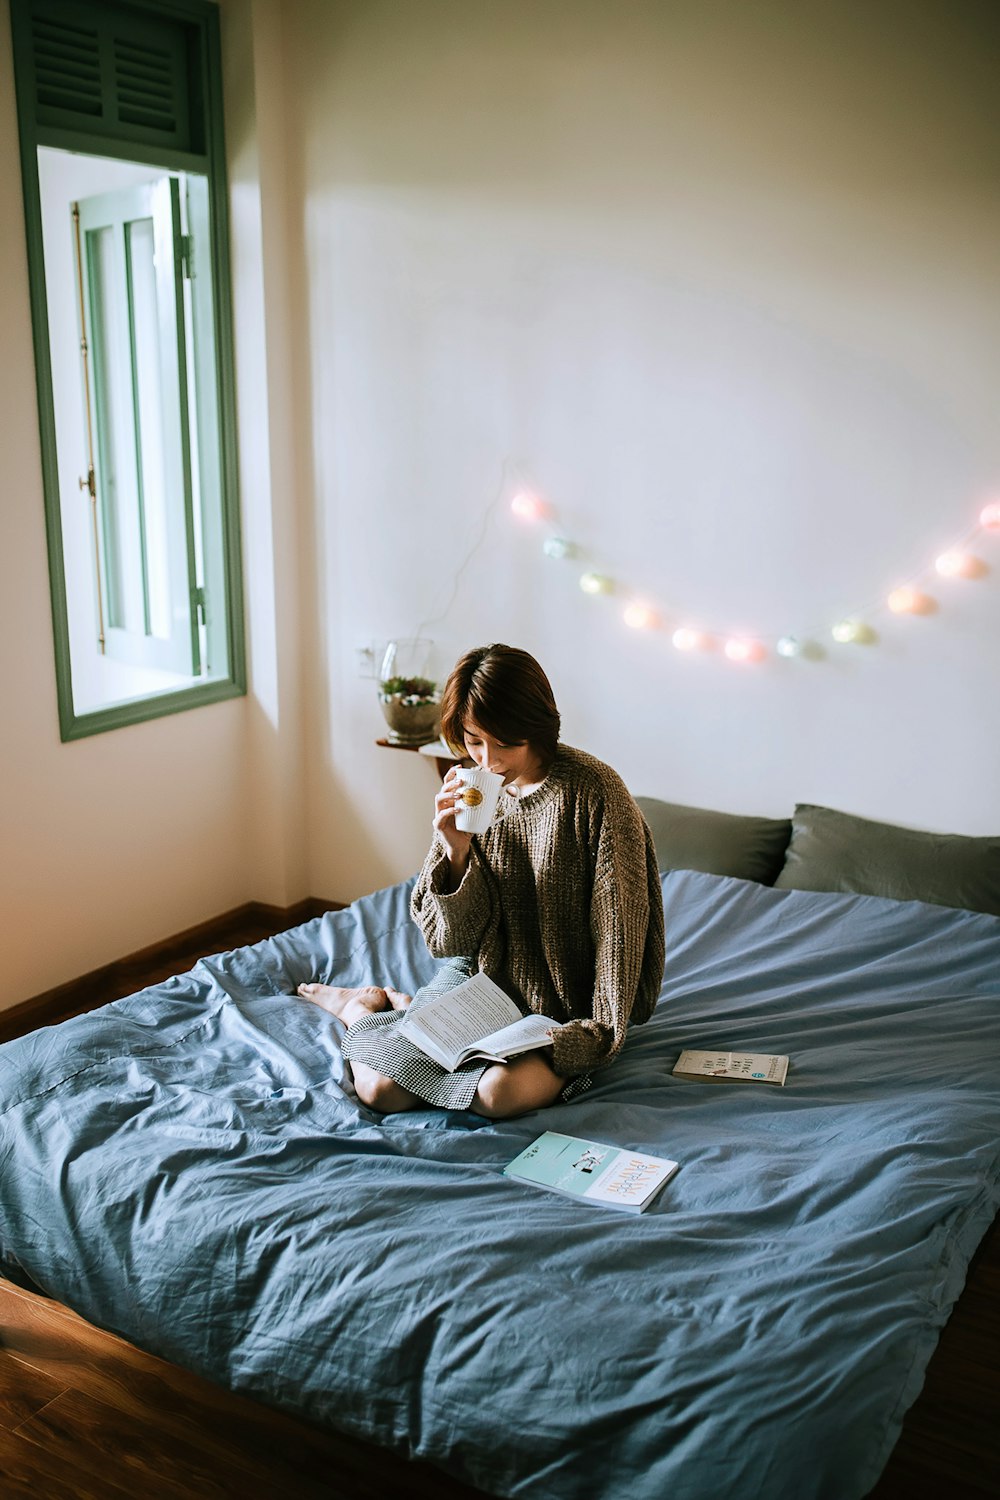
x=559 y=902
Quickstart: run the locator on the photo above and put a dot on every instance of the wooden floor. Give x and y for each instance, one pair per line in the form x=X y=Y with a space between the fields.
x=950 y=1444
x=83 y=1414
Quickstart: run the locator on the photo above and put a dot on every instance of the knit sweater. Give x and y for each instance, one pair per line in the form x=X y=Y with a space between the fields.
x=561 y=905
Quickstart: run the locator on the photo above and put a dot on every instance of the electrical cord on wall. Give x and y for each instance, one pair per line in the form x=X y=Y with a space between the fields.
x=506 y=473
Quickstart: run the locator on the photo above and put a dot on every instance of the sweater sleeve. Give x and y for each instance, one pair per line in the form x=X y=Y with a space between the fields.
x=627 y=932
x=452 y=922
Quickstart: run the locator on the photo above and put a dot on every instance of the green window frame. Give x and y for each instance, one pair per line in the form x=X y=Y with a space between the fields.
x=138 y=82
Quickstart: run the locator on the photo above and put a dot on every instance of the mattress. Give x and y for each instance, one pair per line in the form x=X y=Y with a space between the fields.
x=190 y=1169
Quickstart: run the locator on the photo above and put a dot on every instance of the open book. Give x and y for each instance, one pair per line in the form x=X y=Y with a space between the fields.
x=597 y=1173
x=475 y=1021
x=747 y=1067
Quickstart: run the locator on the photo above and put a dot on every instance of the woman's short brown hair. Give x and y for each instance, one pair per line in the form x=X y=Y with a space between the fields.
x=504 y=691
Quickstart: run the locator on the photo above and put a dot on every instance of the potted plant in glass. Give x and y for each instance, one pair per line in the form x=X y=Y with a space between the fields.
x=410 y=700
x=412 y=709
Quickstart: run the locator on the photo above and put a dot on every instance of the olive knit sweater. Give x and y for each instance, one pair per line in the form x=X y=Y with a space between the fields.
x=561 y=905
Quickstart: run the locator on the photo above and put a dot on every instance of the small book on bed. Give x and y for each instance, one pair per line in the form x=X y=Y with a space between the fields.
x=592 y=1171
x=724 y=1067
x=475 y=1022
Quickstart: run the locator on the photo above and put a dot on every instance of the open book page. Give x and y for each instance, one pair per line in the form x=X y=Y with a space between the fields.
x=451 y=1025
x=523 y=1035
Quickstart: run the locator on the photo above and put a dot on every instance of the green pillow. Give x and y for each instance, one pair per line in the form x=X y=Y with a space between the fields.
x=835 y=851
x=692 y=838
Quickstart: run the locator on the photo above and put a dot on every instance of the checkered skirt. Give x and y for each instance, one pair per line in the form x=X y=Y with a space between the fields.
x=375 y=1040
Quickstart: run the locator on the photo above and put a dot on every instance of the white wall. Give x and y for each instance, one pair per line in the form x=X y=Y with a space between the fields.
x=721 y=279
x=120 y=840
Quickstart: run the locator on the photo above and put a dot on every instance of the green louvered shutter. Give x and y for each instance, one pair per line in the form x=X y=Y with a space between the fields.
x=114 y=72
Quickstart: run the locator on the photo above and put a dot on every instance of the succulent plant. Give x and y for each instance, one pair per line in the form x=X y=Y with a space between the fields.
x=410 y=689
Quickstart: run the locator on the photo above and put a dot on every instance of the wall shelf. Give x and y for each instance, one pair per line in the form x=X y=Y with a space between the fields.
x=443 y=762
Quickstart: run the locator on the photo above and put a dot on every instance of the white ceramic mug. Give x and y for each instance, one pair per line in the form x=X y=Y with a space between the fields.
x=477 y=801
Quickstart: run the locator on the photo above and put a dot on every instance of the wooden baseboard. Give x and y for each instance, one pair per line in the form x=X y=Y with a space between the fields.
x=247 y=923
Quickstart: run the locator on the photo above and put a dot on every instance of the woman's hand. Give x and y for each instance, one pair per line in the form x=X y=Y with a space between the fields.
x=456 y=842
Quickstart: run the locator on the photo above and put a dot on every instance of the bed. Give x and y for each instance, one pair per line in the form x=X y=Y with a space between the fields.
x=190 y=1169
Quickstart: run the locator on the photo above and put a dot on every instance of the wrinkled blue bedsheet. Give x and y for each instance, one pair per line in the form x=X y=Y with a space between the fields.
x=189 y=1168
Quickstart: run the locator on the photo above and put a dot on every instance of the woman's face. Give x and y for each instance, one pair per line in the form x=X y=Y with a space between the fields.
x=516 y=762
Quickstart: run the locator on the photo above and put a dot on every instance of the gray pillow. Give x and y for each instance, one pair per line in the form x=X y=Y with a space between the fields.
x=692 y=838
x=835 y=851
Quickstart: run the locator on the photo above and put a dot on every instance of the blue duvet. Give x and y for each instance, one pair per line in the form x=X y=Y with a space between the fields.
x=189 y=1168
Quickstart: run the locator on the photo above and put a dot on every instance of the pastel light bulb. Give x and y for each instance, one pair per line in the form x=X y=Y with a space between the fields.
x=846 y=631
x=788 y=646
x=557 y=546
x=686 y=639
x=989 y=516
x=527 y=507
x=740 y=649
x=595 y=583
x=955 y=565
x=639 y=616
x=906 y=601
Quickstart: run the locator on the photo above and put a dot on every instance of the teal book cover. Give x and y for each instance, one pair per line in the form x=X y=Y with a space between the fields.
x=614 y=1176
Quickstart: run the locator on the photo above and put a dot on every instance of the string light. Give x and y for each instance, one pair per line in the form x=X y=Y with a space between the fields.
x=908 y=601
x=528 y=507
x=686 y=639
x=596 y=583
x=956 y=565
x=558 y=547
x=638 y=614
x=741 y=649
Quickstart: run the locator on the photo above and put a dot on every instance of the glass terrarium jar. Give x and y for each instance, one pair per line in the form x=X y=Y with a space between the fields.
x=409 y=695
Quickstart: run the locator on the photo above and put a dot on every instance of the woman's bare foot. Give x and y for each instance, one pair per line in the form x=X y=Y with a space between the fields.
x=397 y=999
x=336 y=1000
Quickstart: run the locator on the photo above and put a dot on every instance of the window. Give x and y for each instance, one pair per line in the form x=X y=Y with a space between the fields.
x=125 y=203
